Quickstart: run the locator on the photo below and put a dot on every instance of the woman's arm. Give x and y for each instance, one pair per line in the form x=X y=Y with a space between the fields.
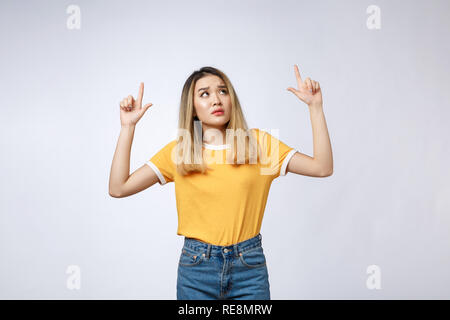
x=321 y=164
x=121 y=184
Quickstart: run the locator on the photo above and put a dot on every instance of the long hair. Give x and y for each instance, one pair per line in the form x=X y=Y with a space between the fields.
x=189 y=154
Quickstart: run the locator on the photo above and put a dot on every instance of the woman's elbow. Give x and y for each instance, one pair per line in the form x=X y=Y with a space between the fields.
x=115 y=194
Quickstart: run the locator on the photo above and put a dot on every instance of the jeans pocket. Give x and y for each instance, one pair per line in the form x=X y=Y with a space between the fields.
x=190 y=257
x=253 y=258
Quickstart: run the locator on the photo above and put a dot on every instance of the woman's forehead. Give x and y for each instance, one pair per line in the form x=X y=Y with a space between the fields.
x=209 y=81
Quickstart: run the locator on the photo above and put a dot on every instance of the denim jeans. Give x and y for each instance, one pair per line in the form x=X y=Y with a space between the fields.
x=237 y=271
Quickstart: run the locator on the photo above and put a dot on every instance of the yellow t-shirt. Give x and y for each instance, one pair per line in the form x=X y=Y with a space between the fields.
x=225 y=205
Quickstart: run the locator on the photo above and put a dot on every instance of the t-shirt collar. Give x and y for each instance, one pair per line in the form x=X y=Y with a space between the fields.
x=216 y=147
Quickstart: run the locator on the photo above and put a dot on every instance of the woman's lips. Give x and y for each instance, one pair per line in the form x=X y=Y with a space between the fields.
x=218 y=113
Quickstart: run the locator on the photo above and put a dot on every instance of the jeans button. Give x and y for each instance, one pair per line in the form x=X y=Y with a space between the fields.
x=225 y=250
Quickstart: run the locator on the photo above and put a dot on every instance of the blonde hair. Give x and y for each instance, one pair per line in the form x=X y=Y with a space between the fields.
x=189 y=152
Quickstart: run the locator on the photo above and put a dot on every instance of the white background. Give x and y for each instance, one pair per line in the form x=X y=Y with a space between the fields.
x=386 y=103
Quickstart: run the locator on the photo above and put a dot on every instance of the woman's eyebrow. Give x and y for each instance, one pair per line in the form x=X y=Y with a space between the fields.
x=208 y=88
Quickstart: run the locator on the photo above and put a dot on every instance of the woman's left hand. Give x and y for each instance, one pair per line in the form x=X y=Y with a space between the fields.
x=308 y=91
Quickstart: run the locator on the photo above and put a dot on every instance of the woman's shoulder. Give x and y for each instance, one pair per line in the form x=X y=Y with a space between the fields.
x=168 y=146
x=258 y=133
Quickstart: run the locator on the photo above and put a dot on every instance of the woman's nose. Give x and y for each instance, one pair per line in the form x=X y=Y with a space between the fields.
x=216 y=98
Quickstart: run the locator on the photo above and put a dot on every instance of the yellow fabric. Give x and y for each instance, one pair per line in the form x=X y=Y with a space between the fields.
x=225 y=205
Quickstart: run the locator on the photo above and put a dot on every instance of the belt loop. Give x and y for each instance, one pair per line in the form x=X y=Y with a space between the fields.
x=235 y=247
x=208 y=251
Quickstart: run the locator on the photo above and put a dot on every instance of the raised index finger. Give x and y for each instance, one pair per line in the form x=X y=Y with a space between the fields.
x=141 y=92
x=297 y=74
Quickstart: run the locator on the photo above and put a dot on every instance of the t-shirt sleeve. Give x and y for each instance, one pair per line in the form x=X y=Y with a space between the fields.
x=162 y=163
x=275 y=153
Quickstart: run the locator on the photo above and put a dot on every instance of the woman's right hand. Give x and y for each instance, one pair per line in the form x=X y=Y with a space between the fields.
x=131 y=110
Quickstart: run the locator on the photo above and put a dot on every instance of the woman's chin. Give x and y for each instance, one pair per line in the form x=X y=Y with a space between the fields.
x=217 y=121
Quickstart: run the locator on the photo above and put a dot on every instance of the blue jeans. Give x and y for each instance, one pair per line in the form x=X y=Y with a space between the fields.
x=237 y=271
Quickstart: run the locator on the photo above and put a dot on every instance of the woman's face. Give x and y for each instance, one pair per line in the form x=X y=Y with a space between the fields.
x=211 y=94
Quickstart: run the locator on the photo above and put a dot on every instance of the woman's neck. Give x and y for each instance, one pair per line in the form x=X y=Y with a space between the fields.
x=214 y=137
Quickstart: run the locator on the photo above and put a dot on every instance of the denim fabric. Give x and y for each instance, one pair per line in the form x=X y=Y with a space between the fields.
x=237 y=271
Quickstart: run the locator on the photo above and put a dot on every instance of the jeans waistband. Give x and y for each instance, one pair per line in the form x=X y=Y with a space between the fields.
x=212 y=250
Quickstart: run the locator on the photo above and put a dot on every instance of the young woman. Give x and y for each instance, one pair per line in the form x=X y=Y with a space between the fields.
x=222 y=173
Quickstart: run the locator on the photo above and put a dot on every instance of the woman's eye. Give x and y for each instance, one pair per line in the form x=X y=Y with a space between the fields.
x=208 y=93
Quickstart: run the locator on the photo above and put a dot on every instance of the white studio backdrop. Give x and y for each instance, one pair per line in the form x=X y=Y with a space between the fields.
x=382 y=217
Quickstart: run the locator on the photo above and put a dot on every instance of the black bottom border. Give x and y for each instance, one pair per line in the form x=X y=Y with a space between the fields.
x=249 y=309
